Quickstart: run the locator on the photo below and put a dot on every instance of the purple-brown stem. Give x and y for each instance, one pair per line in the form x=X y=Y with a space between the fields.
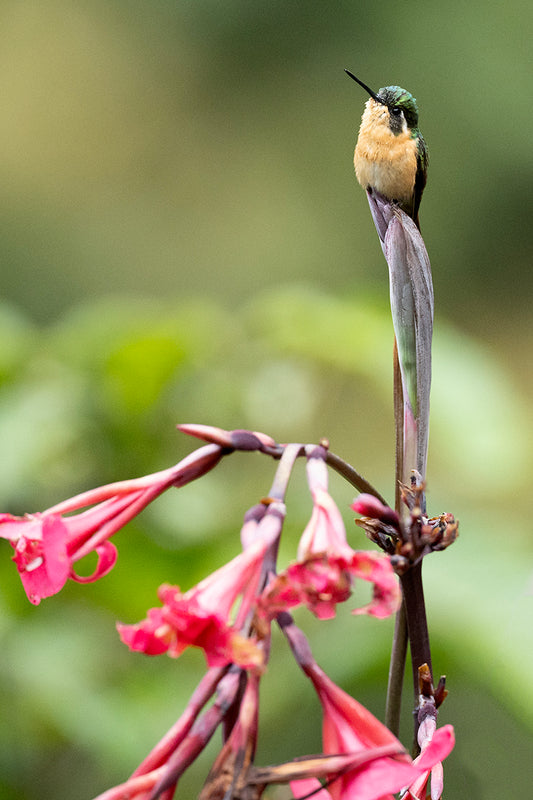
x=180 y=729
x=200 y=733
x=417 y=626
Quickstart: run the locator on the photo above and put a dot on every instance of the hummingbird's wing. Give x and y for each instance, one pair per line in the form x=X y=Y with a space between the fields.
x=420 y=178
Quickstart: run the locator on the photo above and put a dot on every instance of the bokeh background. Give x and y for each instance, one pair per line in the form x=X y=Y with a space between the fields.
x=182 y=239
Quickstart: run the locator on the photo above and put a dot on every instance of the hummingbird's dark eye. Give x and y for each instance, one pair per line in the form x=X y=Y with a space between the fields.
x=396 y=110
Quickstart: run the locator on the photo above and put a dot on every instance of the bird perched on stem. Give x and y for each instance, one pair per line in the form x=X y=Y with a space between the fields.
x=391 y=155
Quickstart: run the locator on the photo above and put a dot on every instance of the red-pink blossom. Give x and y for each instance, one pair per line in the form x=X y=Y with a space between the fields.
x=40 y=553
x=348 y=727
x=201 y=617
x=377 y=569
x=45 y=549
x=325 y=531
x=322 y=581
x=47 y=544
x=318 y=583
x=327 y=565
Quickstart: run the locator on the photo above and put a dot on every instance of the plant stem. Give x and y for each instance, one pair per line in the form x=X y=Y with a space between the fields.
x=283 y=473
x=396 y=672
x=335 y=462
x=417 y=626
x=352 y=476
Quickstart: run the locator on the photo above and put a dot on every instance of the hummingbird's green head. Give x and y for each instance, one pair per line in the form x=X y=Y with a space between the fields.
x=401 y=104
x=399 y=101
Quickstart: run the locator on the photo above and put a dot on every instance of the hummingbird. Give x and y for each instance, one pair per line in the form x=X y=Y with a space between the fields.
x=391 y=155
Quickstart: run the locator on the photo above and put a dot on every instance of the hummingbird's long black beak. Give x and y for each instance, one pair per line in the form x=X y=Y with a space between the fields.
x=372 y=94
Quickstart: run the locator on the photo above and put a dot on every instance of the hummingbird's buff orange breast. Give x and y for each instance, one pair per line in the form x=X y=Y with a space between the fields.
x=383 y=160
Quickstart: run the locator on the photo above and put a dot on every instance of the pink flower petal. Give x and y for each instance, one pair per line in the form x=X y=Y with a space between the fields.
x=438 y=749
x=319 y=583
x=349 y=727
x=325 y=531
x=46 y=545
x=107 y=555
x=42 y=561
x=377 y=569
x=201 y=616
x=151 y=636
x=306 y=786
x=430 y=763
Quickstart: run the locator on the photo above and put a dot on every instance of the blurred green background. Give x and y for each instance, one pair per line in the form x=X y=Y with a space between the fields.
x=182 y=239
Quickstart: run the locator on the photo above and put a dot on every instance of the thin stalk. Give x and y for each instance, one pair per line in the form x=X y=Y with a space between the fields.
x=393 y=705
x=352 y=476
x=283 y=473
x=335 y=462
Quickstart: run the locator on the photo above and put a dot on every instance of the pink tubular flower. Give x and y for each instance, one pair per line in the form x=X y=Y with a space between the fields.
x=348 y=727
x=40 y=543
x=47 y=544
x=325 y=531
x=322 y=581
x=327 y=565
x=317 y=583
x=201 y=616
